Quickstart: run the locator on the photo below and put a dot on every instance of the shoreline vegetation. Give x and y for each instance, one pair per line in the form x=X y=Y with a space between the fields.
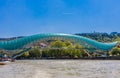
x=67 y=50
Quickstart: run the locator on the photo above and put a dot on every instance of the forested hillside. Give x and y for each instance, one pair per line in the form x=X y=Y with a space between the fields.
x=102 y=37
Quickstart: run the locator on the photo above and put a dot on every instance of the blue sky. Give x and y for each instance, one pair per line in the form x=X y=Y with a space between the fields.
x=27 y=17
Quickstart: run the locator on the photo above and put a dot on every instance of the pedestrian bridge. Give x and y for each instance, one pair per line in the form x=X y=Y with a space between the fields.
x=86 y=42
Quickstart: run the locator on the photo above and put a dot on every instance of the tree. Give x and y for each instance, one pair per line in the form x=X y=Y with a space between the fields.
x=77 y=46
x=57 y=44
x=3 y=52
x=68 y=43
x=35 y=52
x=115 y=52
x=26 y=54
x=117 y=39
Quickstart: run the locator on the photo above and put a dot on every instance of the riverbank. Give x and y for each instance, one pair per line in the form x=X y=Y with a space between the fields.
x=86 y=58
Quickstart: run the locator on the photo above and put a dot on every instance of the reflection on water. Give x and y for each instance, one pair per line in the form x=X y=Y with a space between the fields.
x=61 y=69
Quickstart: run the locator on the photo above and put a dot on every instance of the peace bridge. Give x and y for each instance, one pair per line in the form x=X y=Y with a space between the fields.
x=86 y=42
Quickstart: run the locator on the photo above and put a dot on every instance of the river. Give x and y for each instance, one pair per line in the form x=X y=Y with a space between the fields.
x=61 y=69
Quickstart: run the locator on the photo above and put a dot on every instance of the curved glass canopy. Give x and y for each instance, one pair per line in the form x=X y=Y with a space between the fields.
x=86 y=42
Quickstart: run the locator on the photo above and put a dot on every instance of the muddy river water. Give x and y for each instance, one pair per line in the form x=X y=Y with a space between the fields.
x=61 y=69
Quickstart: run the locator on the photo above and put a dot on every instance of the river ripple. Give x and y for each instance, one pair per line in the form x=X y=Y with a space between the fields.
x=61 y=69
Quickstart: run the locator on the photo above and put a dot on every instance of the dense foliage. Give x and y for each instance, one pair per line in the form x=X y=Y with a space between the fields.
x=115 y=52
x=57 y=49
x=105 y=37
x=102 y=37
